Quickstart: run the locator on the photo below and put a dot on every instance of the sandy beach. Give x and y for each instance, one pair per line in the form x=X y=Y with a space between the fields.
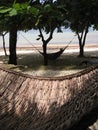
x=52 y=48
x=31 y=62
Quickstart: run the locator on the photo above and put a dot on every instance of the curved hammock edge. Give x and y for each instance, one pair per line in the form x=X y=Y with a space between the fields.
x=37 y=103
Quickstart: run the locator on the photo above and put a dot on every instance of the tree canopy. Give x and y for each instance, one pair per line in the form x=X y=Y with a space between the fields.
x=47 y=15
x=81 y=16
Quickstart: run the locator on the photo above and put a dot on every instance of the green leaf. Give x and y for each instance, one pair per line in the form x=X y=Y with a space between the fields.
x=16 y=6
x=24 y=5
x=20 y=7
x=13 y=12
x=4 y=10
x=33 y=10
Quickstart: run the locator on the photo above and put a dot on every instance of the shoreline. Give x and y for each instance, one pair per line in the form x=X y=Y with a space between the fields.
x=72 y=45
x=52 y=48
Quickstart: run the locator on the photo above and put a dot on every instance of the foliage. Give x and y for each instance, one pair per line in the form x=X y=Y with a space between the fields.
x=81 y=15
x=19 y=14
x=47 y=15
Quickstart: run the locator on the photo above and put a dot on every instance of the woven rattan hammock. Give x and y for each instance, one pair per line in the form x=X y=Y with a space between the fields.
x=36 y=103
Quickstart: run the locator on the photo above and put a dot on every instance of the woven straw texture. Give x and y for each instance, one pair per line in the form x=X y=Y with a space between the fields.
x=35 y=103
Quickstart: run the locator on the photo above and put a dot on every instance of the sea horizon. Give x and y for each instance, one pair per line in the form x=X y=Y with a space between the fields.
x=29 y=39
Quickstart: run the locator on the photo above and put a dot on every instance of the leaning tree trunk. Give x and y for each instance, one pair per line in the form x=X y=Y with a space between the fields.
x=12 y=46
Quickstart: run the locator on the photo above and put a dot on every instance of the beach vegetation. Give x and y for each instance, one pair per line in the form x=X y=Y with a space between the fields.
x=14 y=16
x=47 y=16
x=81 y=16
x=95 y=16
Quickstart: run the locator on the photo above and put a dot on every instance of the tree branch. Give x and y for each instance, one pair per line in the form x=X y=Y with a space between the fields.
x=50 y=36
x=86 y=31
x=41 y=35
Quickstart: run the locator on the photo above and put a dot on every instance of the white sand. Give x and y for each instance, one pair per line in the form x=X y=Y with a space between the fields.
x=35 y=51
x=50 y=73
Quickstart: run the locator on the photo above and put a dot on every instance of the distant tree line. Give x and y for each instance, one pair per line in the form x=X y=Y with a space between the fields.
x=46 y=16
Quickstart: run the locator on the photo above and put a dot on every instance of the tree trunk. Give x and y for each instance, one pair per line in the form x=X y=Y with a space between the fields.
x=81 y=51
x=82 y=39
x=12 y=46
x=45 y=54
x=4 y=45
x=45 y=42
x=81 y=46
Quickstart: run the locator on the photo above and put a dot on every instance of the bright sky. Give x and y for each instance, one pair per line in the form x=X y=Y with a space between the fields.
x=62 y=38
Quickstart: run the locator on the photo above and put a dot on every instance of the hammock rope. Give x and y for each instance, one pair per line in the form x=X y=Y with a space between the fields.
x=50 y=56
x=30 y=43
x=55 y=55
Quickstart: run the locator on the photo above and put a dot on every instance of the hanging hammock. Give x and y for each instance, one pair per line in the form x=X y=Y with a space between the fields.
x=55 y=55
x=51 y=56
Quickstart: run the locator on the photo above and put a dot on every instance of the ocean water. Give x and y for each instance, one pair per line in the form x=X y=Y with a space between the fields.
x=29 y=38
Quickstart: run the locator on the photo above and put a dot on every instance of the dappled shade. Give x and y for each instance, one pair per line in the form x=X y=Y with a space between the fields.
x=36 y=103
